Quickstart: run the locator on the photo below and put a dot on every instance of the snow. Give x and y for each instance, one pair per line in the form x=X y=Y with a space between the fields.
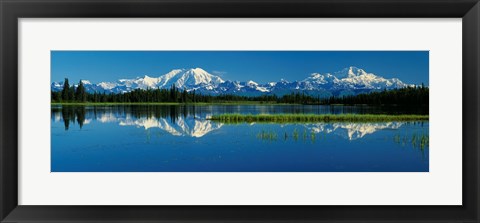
x=352 y=131
x=350 y=78
x=182 y=127
x=252 y=83
x=262 y=89
x=200 y=126
x=183 y=78
x=85 y=82
x=149 y=81
x=107 y=85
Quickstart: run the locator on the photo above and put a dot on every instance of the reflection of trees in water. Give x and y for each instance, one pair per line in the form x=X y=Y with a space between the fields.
x=79 y=114
x=171 y=113
x=72 y=114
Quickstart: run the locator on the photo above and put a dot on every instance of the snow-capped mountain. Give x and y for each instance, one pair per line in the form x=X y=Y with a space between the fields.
x=353 y=77
x=182 y=78
x=351 y=80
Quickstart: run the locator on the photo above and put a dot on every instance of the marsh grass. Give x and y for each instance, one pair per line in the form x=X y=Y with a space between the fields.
x=267 y=135
x=272 y=135
x=417 y=140
x=312 y=136
x=289 y=118
x=295 y=134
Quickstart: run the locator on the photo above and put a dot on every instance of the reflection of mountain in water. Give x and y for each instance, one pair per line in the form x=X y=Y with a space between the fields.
x=178 y=122
x=182 y=127
x=352 y=130
x=183 y=121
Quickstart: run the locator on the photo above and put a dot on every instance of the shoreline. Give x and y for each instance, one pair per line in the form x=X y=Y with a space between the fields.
x=284 y=118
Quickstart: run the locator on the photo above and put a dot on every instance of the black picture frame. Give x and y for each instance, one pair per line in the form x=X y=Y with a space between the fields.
x=12 y=10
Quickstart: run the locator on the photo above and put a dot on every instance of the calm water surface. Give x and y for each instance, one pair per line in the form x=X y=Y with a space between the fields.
x=180 y=138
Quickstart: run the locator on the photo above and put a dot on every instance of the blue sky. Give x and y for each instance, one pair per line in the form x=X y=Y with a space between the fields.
x=261 y=66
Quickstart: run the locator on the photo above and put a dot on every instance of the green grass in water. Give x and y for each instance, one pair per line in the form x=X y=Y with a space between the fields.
x=417 y=140
x=284 y=118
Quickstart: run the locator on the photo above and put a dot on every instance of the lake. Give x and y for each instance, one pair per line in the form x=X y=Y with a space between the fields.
x=161 y=138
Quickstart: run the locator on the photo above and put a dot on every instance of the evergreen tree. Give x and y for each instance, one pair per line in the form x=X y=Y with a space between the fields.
x=80 y=93
x=65 y=91
x=71 y=93
x=184 y=96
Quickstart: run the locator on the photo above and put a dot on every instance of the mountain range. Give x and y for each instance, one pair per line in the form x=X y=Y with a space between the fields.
x=348 y=81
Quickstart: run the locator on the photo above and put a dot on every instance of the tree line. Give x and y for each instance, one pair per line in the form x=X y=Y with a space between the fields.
x=404 y=96
x=412 y=96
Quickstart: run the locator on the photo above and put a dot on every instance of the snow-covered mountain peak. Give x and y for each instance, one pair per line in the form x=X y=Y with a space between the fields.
x=149 y=81
x=351 y=80
x=148 y=77
x=318 y=78
x=174 y=72
x=355 y=71
x=106 y=85
x=282 y=80
x=198 y=70
x=188 y=78
x=197 y=76
x=315 y=75
x=252 y=83
x=86 y=82
x=349 y=72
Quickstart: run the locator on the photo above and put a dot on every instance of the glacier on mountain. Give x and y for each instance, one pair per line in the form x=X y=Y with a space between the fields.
x=351 y=80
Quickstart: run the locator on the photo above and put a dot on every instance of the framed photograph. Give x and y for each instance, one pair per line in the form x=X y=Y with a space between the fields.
x=155 y=111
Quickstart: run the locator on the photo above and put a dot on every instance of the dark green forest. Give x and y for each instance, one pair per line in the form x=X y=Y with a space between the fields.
x=411 y=96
